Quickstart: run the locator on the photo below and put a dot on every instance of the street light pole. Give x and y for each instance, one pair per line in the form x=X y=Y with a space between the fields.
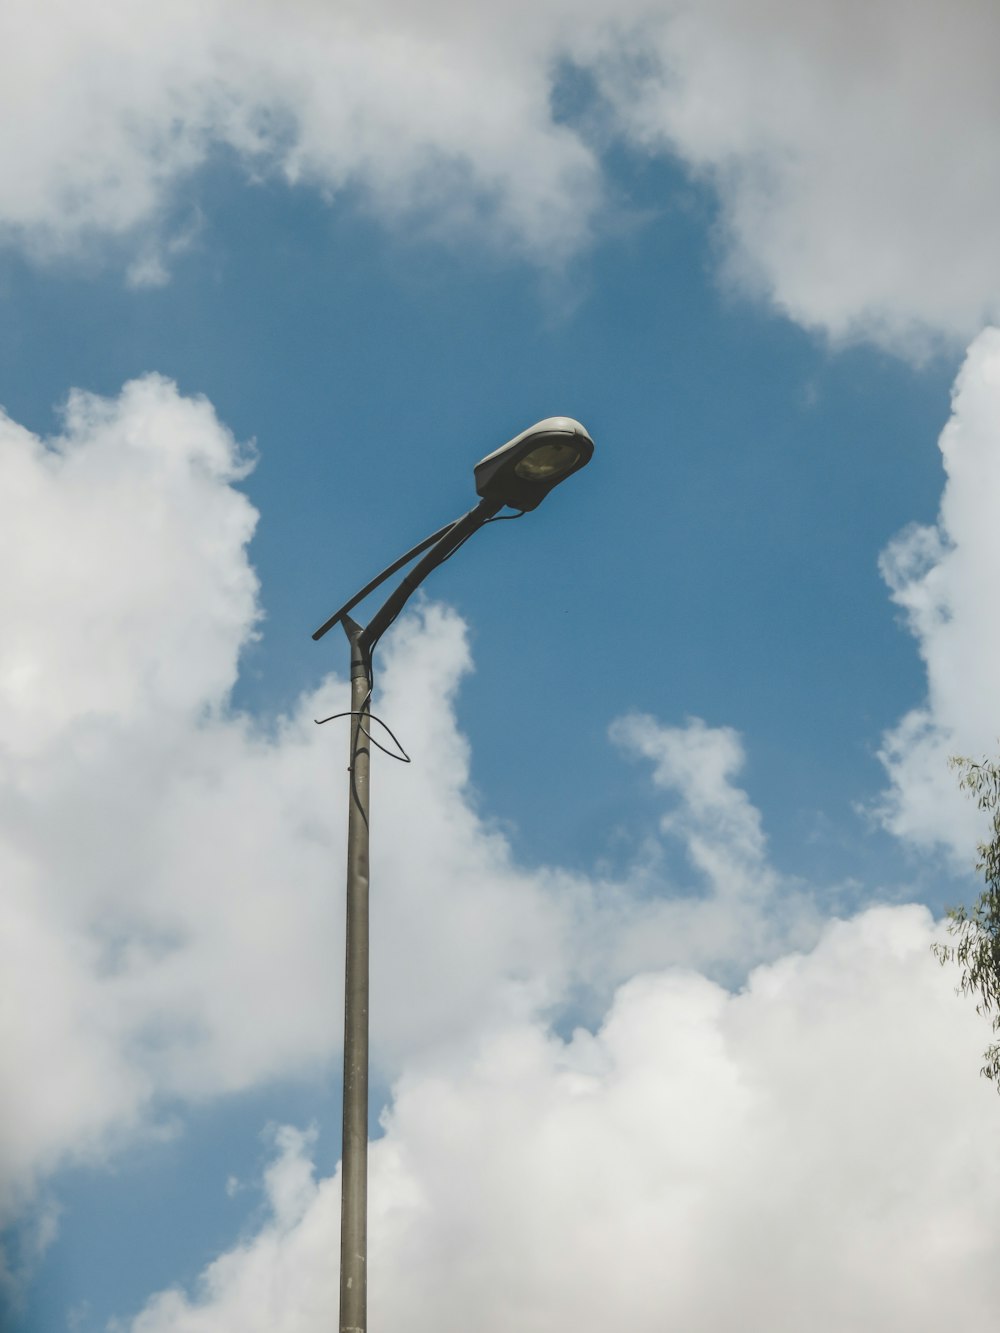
x=354 y=1158
x=518 y=475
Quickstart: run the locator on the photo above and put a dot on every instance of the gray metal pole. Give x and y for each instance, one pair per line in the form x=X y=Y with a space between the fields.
x=354 y=1159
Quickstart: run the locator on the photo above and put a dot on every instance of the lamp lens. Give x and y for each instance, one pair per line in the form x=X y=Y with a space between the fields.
x=548 y=460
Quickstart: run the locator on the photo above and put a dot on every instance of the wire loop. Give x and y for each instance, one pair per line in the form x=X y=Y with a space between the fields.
x=402 y=757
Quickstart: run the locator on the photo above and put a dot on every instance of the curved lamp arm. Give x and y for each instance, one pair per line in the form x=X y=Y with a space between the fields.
x=381 y=578
x=443 y=543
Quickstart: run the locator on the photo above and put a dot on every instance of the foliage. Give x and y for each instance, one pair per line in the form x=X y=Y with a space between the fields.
x=977 y=931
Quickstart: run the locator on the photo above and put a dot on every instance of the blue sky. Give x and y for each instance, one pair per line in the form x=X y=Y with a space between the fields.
x=657 y=894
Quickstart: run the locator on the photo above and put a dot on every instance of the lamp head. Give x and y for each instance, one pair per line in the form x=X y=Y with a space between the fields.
x=523 y=471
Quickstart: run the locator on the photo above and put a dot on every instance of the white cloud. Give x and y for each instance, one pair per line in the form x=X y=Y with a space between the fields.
x=717 y=817
x=816 y=1150
x=750 y=911
x=124 y=587
x=851 y=148
x=125 y=614
x=171 y=869
x=440 y=113
x=945 y=578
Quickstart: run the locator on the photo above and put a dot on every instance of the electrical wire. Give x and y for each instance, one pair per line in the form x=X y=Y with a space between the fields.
x=497 y=518
x=365 y=711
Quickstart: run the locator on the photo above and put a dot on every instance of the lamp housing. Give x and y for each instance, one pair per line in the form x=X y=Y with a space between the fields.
x=523 y=471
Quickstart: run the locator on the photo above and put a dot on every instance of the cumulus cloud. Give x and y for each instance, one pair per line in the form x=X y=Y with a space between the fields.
x=440 y=113
x=723 y=829
x=815 y=1150
x=171 y=868
x=850 y=146
x=944 y=577
x=125 y=613
x=749 y=910
x=851 y=149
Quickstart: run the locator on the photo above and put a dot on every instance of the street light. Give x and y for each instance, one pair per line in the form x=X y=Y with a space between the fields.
x=519 y=476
